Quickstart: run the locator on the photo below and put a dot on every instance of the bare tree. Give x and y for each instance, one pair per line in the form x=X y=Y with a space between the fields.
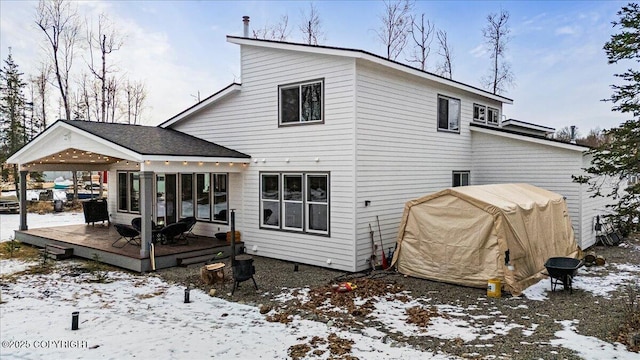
x=135 y=95
x=422 y=35
x=396 y=22
x=112 y=99
x=496 y=35
x=596 y=137
x=105 y=41
x=445 y=67
x=59 y=22
x=311 y=27
x=278 y=32
x=41 y=81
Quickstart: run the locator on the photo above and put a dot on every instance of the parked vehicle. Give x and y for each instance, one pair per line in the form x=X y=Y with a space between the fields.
x=9 y=204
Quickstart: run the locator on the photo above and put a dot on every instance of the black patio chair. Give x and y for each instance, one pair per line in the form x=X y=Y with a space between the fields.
x=172 y=233
x=191 y=223
x=127 y=233
x=156 y=237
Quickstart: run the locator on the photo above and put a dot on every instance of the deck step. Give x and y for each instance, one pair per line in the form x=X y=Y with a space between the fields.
x=58 y=252
x=184 y=261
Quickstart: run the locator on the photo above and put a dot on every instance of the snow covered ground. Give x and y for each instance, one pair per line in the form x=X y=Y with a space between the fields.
x=145 y=317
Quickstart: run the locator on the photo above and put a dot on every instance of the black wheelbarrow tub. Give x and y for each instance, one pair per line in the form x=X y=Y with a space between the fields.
x=562 y=269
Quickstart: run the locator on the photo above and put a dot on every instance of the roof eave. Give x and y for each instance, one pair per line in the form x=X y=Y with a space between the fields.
x=361 y=54
x=524 y=137
x=231 y=89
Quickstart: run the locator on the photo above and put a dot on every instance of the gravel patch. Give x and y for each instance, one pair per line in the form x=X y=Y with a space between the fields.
x=503 y=328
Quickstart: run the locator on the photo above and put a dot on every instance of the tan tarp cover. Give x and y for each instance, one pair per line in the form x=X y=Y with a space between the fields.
x=460 y=235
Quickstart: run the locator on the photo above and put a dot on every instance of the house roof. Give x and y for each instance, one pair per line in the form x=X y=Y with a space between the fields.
x=528 y=125
x=327 y=50
x=361 y=54
x=155 y=140
x=527 y=137
x=71 y=143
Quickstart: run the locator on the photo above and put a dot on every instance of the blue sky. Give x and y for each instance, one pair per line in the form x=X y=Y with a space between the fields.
x=179 y=48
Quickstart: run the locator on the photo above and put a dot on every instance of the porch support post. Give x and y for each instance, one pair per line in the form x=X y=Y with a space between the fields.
x=146 y=211
x=23 y=200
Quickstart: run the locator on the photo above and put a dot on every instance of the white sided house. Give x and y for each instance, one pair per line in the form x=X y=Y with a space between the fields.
x=336 y=139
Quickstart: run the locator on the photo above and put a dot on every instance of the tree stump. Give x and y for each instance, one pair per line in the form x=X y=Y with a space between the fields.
x=212 y=273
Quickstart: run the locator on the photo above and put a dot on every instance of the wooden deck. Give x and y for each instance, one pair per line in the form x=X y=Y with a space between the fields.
x=88 y=241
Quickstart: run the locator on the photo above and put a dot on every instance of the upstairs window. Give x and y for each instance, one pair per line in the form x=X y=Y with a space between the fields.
x=301 y=103
x=479 y=113
x=448 y=114
x=493 y=116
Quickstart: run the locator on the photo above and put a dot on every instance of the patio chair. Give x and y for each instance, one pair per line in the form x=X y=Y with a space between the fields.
x=174 y=232
x=127 y=233
x=156 y=237
x=191 y=223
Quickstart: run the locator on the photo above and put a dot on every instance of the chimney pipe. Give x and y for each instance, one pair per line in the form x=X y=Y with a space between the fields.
x=573 y=134
x=245 y=20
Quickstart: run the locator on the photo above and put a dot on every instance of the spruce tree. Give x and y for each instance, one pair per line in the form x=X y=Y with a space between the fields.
x=12 y=111
x=617 y=161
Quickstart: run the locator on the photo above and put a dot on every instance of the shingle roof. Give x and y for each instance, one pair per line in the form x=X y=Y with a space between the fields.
x=153 y=140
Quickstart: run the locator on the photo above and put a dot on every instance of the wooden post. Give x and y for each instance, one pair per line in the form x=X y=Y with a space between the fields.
x=146 y=211
x=23 y=200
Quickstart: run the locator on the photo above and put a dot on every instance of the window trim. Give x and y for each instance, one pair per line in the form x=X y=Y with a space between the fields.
x=460 y=173
x=448 y=98
x=277 y=201
x=283 y=208
x=128 y=175
x=305 y=203
x=479 y=106
x=299 y=85
x=308 y=203
x=213 y=184
x=497 y=112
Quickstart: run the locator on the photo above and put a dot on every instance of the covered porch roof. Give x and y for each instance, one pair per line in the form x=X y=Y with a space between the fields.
x=92 y=146
x=86 y=145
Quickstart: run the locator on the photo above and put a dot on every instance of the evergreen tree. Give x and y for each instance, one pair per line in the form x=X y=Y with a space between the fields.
x=618 y=159
x=12 y=111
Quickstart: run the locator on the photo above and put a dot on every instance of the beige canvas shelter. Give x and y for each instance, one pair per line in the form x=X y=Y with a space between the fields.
x=461 y=235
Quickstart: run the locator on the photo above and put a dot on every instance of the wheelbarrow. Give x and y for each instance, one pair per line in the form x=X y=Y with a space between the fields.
x=561 y=271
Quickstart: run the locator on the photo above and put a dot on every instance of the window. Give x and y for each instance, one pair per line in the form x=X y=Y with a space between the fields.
x=129 y=192
x=460 y=178
x=203 y=210
x=208 y=205
x=448 y=114
x=493 y=116
x=301 y=200
x=220 y=195
x=270 y=201
x=317 y=203
x=292 y=201
x=479 y=113
x=186 y=195
x=301 y=103
x=123 y=185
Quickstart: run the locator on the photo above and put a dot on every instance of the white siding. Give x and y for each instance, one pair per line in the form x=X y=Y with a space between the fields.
x=248 y=122
x=498 y=159
x=592 y=207
x=400 y=153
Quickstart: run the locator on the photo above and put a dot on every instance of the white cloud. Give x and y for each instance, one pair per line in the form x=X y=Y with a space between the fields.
x=567 y=30
x=479 y=51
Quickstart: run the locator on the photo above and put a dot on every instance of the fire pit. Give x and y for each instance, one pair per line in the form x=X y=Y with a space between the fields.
x=243 y=270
